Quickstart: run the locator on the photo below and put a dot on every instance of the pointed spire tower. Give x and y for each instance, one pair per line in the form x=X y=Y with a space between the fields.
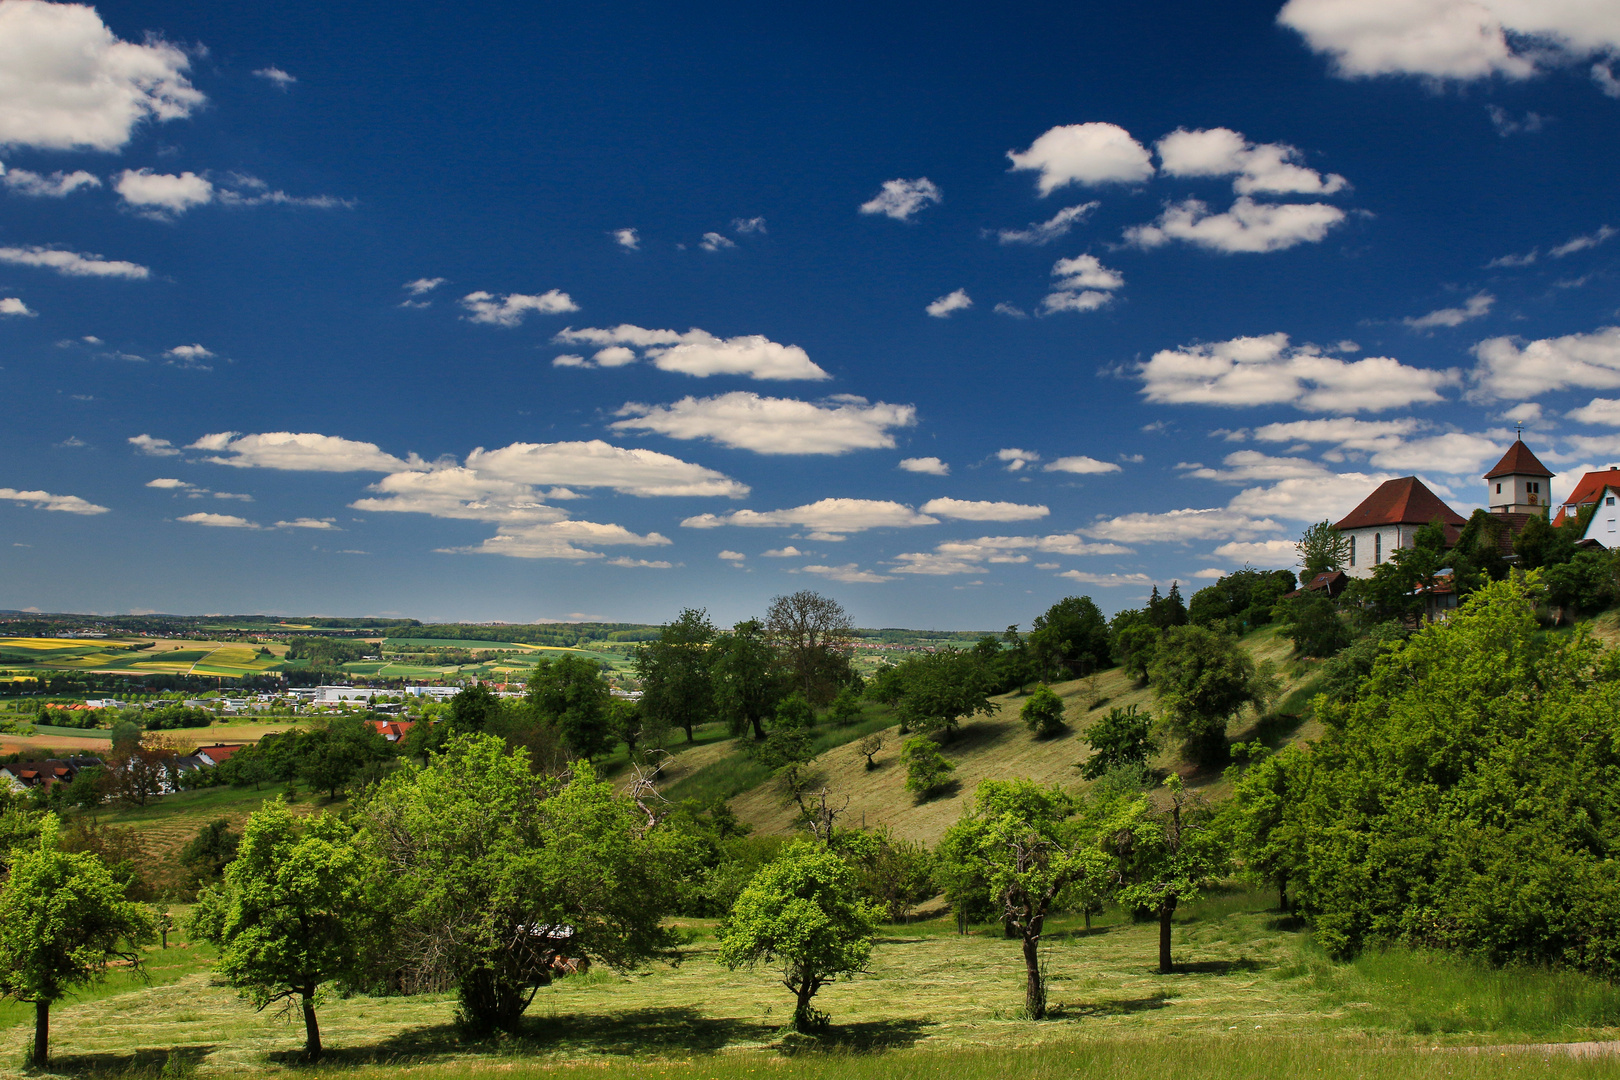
x=1519 y=483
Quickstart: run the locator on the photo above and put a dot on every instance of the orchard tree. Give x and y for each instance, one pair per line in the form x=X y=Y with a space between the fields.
x=804 y=914
x=676 y=685
x=934 y=692
x=1043 y=712
x=63 y=918
x=815 y=637
x=296 y=914
x=748 y=679
x=1204 y=679
x=569 y=694
x=1028 y=846
x=494 y=872
x=331 y=755
x=927 y=770
x=1070 y=639
x=1322 y=548
x=1262 y=816
x=1166 y=855
x=895 y=873
x=1122 y=739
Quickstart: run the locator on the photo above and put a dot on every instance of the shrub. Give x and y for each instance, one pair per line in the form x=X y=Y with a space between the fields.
x=1043 y=712
x=926 y=768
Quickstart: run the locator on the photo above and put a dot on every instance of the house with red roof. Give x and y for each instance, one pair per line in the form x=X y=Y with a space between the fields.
x=392 y=730
x=1389 y=518
x=218 y=754
x=1587 y=493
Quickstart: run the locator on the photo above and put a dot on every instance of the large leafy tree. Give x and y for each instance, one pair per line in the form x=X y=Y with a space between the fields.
x=1070 y=639
x=1028 y=844
x=495 y=872
x=934 y=692
x=815 y=636
x=1468 y=796
x=749 y=680
x=1204 y=679
x=296 y=912
x=1262 y=817
x=805 y=914
x=1167 y=852
x=63 y=918
x=570 y=694
x=332 y=754
x=676 y=686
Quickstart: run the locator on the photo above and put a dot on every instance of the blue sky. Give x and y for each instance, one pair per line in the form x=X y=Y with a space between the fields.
x=517 y=313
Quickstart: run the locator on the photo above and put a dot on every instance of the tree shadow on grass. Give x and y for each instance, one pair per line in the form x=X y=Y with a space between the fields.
x=872 y=1035
x=154 y=1063
x=1218 y=967
x=1110 y=1007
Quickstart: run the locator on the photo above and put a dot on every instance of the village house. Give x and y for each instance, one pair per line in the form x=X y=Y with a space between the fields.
x=1600 y=531
x=21 y=775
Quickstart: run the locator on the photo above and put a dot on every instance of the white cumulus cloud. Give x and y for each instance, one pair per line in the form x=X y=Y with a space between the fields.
x=1040 y=233
x=146 y=444
x=849 y=573
x=900 y=199
x=276 y=77
x=1248 y=227
x=1475 y=307
x=218 y=521
x=1083 y=284
x=297 y=451
x=1106 y=581
x=766 y=425
x=44 y=500
x=950 y=302
x=1016 y=459
x=1091 y=154
x=72 y=263
x=1262 y=553
x=558 y=540
x=67 y=82
x=422 y=285
x=510 y=309
x=11 y=305
x=1266 y=168
x=829 y=518
x=1453 y=39
x=1511 y=368
x=163 y=193
x=1181 y=525
x=1266 y=370
x=595 y=463
x=713 y=241
x=971 y=556
x=57 y=185
x=1081 y=465
x=695 y=352
x=628 y=239
x=972 y=510
x=933 y=466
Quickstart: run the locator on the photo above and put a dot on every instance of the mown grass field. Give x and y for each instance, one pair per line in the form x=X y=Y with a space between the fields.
x=1252 y=998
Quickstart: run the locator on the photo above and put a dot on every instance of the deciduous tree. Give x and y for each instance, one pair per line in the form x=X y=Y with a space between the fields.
x=803 y=913
x=296 y=915
x=1028 y=846
x=1166 y=854
x=494 y=872
x=1204 y=679
x=1042 y=714
x=816 y=637
x=570 y=694
x=677 y=687
x=63 y=919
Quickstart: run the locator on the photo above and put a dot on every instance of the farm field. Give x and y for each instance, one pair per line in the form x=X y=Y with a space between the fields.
x=1252 y=997
x=161 y=656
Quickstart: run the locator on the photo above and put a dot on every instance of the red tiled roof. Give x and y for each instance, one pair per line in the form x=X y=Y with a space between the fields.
x=1518 y=461
x=1401 y=502
x=219 y=753
x=1589 y=490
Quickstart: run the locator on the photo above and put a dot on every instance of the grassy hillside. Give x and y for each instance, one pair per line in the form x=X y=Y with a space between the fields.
x=999 y=747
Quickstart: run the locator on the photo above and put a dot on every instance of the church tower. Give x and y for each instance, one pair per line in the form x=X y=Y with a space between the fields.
x=1519 y=483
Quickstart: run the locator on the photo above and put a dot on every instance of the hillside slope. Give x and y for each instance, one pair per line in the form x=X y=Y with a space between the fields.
x=996 y=747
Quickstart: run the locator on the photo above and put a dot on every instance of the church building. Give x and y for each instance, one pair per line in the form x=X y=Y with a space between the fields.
x=1516 y=490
